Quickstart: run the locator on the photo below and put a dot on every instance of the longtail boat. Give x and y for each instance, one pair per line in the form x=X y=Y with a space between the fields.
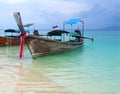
x=45 y=45
x=11 y=39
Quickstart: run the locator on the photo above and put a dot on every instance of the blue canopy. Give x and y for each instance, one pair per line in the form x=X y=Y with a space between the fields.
x=73 y=21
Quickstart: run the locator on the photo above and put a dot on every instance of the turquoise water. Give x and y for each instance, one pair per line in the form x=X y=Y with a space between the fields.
x=94 y=68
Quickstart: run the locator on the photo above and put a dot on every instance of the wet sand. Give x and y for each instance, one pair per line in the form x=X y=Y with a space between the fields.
x=16 y=79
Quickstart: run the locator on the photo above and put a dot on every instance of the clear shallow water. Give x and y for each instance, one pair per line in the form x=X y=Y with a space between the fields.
x=94 y=68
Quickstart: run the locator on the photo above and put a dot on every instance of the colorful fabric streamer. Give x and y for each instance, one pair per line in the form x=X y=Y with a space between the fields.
x=23 y=36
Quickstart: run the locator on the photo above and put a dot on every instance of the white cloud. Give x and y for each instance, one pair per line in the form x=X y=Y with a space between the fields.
x=67 y=8
x=15 y=1
x=50 y=11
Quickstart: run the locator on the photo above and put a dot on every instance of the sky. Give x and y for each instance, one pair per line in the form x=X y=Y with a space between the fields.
x=97 y=14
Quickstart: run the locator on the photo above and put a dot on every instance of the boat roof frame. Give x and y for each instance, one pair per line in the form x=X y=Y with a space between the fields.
x=74 y=22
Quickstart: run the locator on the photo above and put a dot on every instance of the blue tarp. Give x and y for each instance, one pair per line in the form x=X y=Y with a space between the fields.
x=73 y=21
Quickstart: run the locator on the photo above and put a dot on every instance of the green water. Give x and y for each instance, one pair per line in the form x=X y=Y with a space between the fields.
x=94 y=68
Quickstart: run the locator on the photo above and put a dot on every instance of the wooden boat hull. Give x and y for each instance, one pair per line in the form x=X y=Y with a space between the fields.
x=39 y=46
x=7 y=41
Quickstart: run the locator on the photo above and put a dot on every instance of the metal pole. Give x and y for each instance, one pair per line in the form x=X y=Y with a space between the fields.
x=64 y=25
x=82 y=27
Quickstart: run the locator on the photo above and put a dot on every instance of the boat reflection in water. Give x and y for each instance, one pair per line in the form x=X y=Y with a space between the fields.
x=19 y=78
